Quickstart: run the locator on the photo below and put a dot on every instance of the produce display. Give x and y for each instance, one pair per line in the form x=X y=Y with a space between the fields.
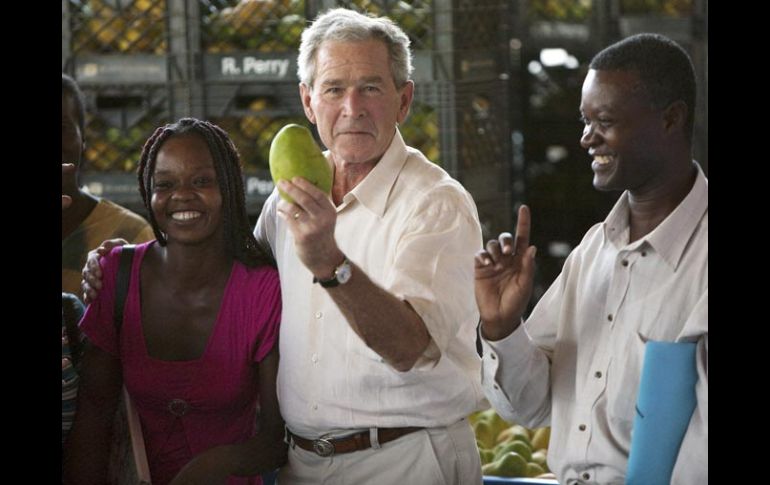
x=508 y=449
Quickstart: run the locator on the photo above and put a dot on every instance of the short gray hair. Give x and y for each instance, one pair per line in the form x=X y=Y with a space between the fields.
x=345 y=25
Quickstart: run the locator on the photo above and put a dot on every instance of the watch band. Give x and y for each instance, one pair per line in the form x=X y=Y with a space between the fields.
x=344 y=266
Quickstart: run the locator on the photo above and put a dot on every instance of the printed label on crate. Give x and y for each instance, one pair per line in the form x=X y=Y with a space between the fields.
x=121 y=69
x=258 y=186
x=242 y=67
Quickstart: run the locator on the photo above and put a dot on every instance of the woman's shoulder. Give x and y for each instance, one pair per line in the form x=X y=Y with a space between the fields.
x=258 y=275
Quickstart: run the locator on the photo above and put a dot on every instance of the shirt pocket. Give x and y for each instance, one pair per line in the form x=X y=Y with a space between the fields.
x=623 y=385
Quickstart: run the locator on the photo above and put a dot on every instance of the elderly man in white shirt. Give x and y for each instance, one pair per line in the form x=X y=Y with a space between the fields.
x=640 y=275
x=378 y=367
x=378 y=363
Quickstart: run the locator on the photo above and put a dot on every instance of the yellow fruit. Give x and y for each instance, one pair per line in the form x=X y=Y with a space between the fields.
x=540 y=458
x=540 y=438
x=294 y=153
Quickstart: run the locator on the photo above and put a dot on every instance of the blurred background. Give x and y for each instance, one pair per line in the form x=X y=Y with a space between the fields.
x=497 y=96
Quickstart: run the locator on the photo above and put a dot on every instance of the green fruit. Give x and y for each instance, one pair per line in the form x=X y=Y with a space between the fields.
x=294 y=153
x=533 y=470
x=511 y=464
x=515 y=432
x=485 y=435
x=519 y=447
x=486 y=456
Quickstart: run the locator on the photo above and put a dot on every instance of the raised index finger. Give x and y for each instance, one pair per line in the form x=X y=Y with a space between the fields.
x=522 y=231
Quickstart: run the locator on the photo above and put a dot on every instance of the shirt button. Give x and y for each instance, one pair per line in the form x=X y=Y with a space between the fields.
x=598 y=374
x=625 y=262
x=318 y=315
x=492 y=356
x=496 y=386
x=644 y=253
x=586 y=476
x=315 y=407
x=582 y=427
x=314 y=358
x=609 y=317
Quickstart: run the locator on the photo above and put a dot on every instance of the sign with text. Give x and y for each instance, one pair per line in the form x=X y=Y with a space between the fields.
x=250 y=67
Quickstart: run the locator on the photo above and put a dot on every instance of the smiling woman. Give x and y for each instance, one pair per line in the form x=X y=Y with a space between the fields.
x=203 y=301
x=186 y=201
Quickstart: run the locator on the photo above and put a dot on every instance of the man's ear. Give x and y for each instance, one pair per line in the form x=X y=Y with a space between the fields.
x=406 y=95
x=675 y=117
x=305 y=96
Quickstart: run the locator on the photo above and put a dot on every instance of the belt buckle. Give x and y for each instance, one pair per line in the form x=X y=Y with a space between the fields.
x=323 y=447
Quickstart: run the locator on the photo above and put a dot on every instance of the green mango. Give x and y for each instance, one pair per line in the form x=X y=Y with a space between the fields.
x=293 y=153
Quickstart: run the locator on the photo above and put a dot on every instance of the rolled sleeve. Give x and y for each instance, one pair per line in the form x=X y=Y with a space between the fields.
x=433 y=269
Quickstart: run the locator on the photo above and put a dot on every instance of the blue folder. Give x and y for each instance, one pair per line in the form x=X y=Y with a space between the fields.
x=664 y=406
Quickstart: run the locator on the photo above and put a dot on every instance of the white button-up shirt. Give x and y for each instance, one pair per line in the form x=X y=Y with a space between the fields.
x=414 y=231
x=577 y=360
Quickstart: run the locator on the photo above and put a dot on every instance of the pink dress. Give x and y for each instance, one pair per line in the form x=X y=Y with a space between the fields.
x=187 y=407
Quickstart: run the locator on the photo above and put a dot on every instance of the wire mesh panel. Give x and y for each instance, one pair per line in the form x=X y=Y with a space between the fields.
x=256 y=25
x=119 y=121
x=470 y=124
x=118 y=26
x=415 y=17
x=420 y=130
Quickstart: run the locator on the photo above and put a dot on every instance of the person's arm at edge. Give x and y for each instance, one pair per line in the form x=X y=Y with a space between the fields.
x=86 y=455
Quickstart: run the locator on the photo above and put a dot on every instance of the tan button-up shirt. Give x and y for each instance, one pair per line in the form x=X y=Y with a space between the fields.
x=577 y=360
x=414 y=231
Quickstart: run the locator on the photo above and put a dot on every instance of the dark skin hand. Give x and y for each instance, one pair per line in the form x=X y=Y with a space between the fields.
x=92 y=272
x=504 y=274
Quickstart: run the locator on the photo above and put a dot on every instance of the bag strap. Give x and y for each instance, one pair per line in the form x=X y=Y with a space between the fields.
x=121 y=284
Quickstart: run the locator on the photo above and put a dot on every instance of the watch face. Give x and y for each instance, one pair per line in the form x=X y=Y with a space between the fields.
x=343 y=272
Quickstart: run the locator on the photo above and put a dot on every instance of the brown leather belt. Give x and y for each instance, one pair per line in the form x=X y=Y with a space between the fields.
x=347 y=444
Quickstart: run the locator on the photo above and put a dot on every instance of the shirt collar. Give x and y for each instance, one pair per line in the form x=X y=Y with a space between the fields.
x=374 y=190
x=671 y=236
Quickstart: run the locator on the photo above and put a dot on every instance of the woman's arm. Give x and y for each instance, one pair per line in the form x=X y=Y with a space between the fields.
x=86 y=453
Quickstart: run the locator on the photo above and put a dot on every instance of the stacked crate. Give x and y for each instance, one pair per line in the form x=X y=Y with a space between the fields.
x=143 y=63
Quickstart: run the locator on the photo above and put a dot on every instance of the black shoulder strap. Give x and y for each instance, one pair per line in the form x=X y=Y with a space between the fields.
x=121 y=283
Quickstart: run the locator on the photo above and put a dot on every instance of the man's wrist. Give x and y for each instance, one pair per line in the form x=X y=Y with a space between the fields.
x=493 y=332
x=328 y=273
x=341 y=275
